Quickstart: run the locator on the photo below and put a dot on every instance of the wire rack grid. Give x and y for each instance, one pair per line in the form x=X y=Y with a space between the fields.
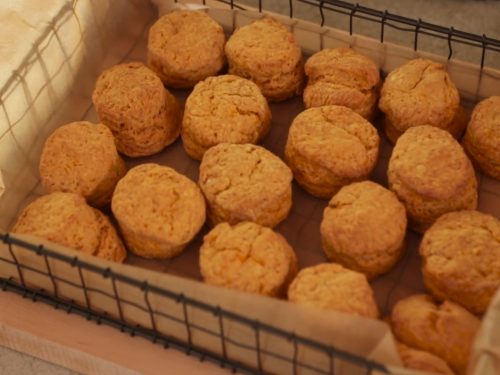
x=21 y=248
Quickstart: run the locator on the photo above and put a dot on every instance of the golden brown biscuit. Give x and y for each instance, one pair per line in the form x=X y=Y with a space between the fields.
x=224 y=109
x=363 y=228
x=110 y=244
x=159 y=210
x=431 y=175
x=482 y=137
x=266 y=52
x=461 y=258
x=245 y=183
x=329 y=147
x=422 y=360
x=420 y=92
x=341 y=76
x=333 y=287
x=455 y=128
x=142 y=115
x=248 y=257
x=185 y=47
x=446 y=330
x=66 y=219
x=81 y=158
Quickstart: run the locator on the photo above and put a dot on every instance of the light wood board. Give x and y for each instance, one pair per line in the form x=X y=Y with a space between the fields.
x=80 y=345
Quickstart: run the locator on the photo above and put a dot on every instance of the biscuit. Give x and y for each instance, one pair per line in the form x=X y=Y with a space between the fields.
x=329 y=147
x=482 y=137
x=81 y=158
x=341 y=76
x=248 y=257
x=431 y=175
x=245 y=183
x=421 y=92
x=333 y=287
x=66 y=219
x=185 y=47
x=422 y=360
x=455 y=128
x=461 y=258
x=110 y=244
x=142 y=115
x=224 y=109
x=446 y=330
x=363 y=228
x=266 y=52
x=159 y=211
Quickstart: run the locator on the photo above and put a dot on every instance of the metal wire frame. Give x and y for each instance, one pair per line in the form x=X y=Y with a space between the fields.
x=397 y=22
x=101 y=318
x=223 y=316
x=415 y=26
x=18 y=285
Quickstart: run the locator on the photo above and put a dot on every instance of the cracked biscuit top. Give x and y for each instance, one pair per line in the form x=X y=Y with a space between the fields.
x=66 y=219
x=417 y=93
x=247 y=257
x=266 y=52
x=133 y=103
x=484 y=128
x=222 y=109
x=185 y=47
x=341 y=76
x=336 y=139
x=422 y=360
x=430 y=162
x=333 y=287
x=444 y=329
x=461 y=258
x=342 y=66
x=159 y=203
x=245 y=183
x=364 y=227
x=81 y=157
x=482 y=138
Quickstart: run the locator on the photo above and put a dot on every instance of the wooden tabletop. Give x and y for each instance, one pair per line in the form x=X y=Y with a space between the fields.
x=83 y=346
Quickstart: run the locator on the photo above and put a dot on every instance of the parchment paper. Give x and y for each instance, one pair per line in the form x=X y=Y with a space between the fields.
x=301 y=228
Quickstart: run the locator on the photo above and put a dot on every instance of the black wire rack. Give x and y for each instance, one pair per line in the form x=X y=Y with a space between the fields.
x=18 y=249
x=417 y=27
x=186 y=303
x=386 y=19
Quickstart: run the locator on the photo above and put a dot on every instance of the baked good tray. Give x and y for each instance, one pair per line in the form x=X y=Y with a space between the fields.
x=164 y=301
